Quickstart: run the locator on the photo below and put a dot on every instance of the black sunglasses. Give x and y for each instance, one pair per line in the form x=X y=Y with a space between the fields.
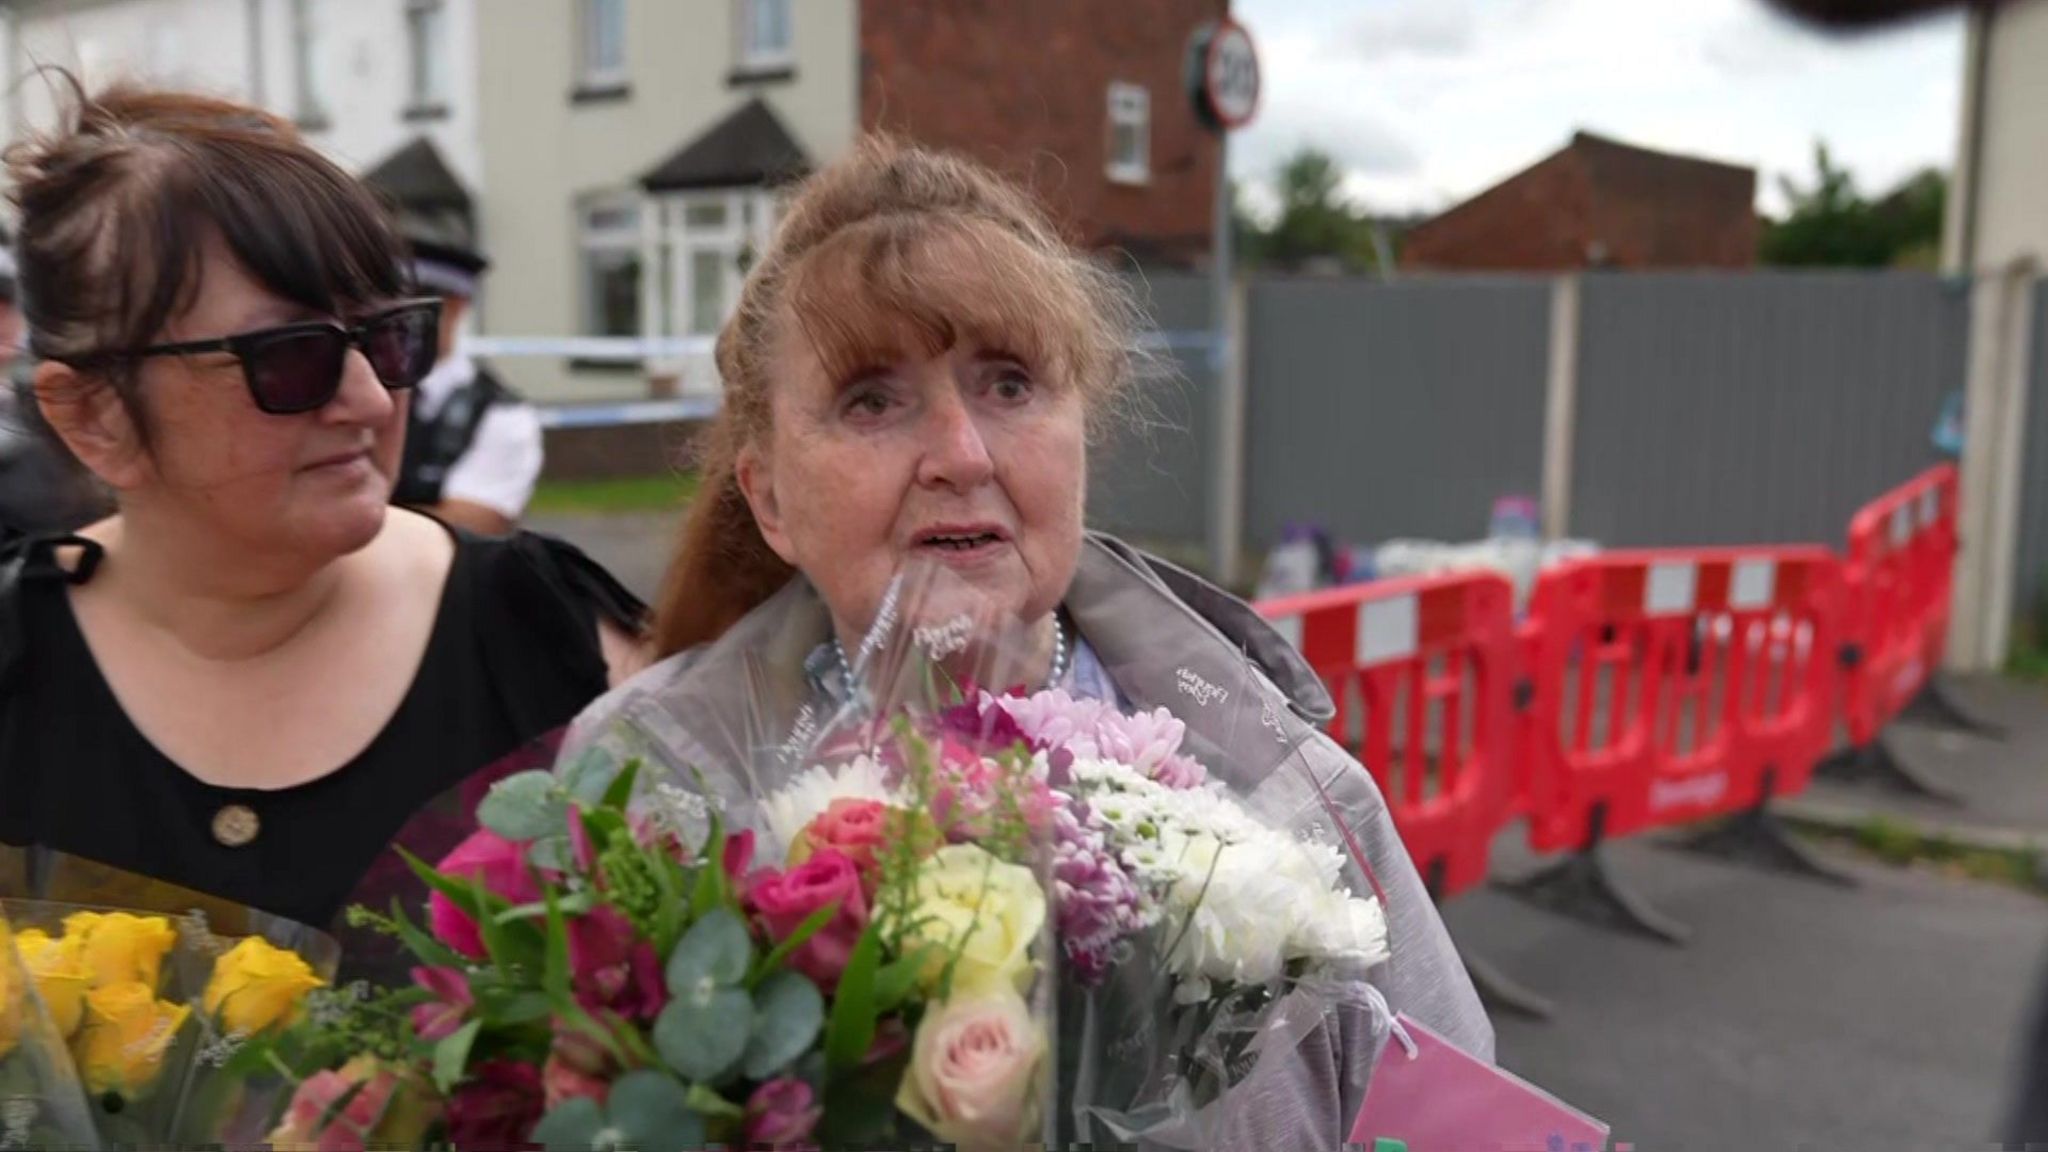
x=297 y=368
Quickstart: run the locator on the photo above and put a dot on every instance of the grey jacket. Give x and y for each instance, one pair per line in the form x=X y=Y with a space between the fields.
x=1253 y=709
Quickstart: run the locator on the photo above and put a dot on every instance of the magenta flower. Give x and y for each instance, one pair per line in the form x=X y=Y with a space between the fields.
x=501 y=865
x=442 y=1016
x=781 y=1114
x=615 y=970
x=784 y=900
x=497 y=1107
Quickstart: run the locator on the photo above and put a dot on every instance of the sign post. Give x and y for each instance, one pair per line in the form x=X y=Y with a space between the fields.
x=1223 y=85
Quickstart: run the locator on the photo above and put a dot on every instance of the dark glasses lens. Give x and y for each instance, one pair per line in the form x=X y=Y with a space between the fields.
x=403 y=345
x=296 y=372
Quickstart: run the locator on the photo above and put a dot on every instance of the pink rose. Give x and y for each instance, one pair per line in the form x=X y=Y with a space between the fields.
x=442 y=1016
x=501 y=865
x=973 y=1076
x=784 y=900
x=561 y=1082
x=780 y=1114
x=855 y=828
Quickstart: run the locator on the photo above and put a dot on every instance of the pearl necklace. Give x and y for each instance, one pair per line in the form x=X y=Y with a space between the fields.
x=1061 y=656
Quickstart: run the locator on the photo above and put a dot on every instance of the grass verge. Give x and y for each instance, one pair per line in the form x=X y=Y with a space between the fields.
x=605 y=497
x=1900 y=844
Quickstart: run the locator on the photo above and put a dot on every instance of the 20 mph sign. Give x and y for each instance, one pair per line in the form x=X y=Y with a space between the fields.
x=1223 y=75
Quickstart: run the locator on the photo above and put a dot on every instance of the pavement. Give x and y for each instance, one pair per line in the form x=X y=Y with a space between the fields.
x=2002 y=783
x=633 y=546
x=1799 y=1015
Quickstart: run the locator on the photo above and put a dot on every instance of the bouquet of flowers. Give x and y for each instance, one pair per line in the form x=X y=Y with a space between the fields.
x=140 y=997
x=1192 y=931
x=592 y=973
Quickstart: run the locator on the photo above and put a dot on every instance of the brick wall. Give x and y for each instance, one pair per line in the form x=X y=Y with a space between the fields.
x=1023 y=85
x=618 y=451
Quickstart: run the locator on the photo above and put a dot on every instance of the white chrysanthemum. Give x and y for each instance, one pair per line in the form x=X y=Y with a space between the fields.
x=1336 y=925
x=793 y=806
x=1236 y=908
x=1251 y=897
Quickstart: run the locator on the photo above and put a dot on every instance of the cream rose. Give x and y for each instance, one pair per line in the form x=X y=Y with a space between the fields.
x=986 y=911
x=974 y=1069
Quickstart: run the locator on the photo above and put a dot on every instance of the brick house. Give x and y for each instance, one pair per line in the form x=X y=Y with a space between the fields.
x=1081 y=97
x=1598 y=203
x=636 y=152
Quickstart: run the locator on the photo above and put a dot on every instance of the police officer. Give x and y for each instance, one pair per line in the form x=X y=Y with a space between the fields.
x=42 y=488
x=473 y=447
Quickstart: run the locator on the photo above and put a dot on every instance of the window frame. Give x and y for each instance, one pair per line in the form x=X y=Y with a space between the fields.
x=593 y=75
x=611 y=240
x=309 y=107
x=1129 y=107
x=427 y=58
x=747 y=54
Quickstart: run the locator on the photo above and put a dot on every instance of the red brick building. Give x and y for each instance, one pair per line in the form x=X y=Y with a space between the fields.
x=1083 y=98
x=1598 y=203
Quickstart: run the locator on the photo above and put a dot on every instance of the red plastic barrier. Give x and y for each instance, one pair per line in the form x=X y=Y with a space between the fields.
x=1666 y=684
x=1900 y=572
x=1423 y=673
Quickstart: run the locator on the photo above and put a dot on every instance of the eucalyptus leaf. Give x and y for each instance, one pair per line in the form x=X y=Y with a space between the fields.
x=524 y=806
x=589 y=776
x=703 y=1037
x=552 y=854
x=716 y=950
x=788 y=1014
x=652 y=1112
x=573 y=1127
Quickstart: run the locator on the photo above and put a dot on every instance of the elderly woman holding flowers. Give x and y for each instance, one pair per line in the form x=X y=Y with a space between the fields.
x=912 y=378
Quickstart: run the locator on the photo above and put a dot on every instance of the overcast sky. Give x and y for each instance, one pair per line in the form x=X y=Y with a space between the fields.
x=1425 y=102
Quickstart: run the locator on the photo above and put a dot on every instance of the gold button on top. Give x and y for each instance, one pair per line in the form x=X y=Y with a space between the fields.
x=236 y=825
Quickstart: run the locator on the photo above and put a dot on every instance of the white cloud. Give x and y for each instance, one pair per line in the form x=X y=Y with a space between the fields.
x=1428 y=101
x=1393 y=28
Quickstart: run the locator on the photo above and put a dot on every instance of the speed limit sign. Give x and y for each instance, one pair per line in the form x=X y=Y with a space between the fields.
x=1223 y=75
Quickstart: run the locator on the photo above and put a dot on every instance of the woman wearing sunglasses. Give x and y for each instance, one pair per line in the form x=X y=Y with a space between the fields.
x=255 y=673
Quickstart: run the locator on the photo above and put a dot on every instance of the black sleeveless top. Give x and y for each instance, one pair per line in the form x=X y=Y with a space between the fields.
x=513 y=657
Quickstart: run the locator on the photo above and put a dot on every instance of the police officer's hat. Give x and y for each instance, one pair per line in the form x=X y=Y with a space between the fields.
x=445 y=267
x=445 y=261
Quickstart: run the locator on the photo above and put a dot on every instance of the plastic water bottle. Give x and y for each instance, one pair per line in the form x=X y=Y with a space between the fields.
x=1516 y=533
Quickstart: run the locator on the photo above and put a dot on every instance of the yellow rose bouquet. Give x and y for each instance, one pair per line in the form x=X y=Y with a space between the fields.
x=152 y=1000
x=42 y=1101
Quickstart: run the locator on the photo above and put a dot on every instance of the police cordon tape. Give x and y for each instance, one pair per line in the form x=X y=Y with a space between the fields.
x=1643 y=690
x=669 y=350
